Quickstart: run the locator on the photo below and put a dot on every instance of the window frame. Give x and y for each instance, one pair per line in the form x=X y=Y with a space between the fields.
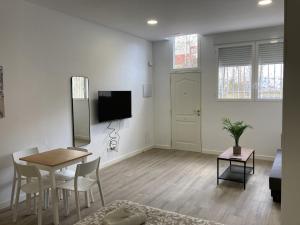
x=254 y=76
x=257 y=43
x=184 y=70
x=217 y=47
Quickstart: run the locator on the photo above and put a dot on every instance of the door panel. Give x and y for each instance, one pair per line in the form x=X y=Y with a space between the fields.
x=185 y=94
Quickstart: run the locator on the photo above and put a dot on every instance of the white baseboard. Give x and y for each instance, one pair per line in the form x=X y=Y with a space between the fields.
x=187 y=150
x=211 y=152
x=261 y=157
x=168 y=147
x=125 y=156
x=162 y=146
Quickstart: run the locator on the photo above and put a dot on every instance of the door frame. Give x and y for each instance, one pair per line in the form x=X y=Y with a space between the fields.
x=171 y=107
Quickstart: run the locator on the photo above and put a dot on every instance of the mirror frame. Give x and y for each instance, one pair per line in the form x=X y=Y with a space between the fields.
x=89 y=108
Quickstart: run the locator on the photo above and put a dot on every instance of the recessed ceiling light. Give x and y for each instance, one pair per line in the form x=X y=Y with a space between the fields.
x=152 y=22
x=264 y=2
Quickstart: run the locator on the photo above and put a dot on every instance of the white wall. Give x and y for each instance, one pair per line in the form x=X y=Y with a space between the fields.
x=40 y=50
x=162 y=64
x=291 y=118
x=265 y=117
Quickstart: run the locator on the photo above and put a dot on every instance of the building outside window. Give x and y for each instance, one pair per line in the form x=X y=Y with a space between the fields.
x=185 y=54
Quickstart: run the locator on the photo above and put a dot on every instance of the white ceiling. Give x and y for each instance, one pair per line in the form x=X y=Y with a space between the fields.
x=174 y=16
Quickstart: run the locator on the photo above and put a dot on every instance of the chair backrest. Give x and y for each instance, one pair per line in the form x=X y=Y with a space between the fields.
x=17 y=155
x=27 y=170
x=87 y=168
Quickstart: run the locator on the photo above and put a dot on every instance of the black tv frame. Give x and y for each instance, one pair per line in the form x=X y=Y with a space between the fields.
x=104 y=117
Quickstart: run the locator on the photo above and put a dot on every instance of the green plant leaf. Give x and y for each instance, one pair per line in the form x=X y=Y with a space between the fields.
x=235 y=129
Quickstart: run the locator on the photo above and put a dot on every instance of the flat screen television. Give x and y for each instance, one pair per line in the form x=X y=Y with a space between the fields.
x=114 y=105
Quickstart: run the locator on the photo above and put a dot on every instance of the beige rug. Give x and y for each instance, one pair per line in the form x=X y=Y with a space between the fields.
x=154 y=216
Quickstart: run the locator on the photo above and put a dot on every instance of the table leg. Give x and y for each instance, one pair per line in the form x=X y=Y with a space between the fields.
x=54 y=198
x=28 y=197
x=253 y=162
x=217 y=171
x=28 y=203
x=244 y=175
x=87 y=198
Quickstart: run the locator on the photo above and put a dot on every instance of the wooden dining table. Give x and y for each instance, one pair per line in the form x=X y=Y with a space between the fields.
x=52 y=161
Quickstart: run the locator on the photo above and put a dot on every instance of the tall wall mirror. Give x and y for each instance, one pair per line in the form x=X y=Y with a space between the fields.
x=80 y=111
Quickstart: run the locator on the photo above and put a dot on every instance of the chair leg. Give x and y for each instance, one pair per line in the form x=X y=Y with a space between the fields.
x=77 y=205
x=15 y=213
x=28 y=197
x=46 y=199
x=92 y=196
x=35 y=210
x=101 y=193
x=66 y=202
x=58 y=195
x=48 y=194
x=13 y=190
x=40 y=208
x=28 y=203
x=87 y=199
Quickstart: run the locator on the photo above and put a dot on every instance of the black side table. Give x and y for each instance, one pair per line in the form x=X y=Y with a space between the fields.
x=234 y=172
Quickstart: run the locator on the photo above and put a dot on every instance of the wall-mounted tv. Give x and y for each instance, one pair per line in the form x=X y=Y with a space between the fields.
x=114 y=105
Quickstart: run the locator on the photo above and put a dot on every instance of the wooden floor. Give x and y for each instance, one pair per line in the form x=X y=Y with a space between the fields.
x=179 y=181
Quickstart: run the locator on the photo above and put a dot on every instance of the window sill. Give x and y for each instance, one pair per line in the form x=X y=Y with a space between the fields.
x=249 y=100
x=268 y=100
x=234 y=100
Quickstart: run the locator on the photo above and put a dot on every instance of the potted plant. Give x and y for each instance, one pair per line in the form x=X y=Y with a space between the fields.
x=236 y=129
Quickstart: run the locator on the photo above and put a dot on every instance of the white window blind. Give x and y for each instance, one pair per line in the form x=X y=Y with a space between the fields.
x=235 y=72
x=270 y=70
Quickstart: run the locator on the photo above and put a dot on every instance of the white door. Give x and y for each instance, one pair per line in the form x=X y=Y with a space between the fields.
x=185 y=95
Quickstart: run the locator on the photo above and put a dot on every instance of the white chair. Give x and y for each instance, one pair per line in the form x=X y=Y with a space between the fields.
x=16 y=158
x=67 y=174
x=37 y=186
x=82 y=183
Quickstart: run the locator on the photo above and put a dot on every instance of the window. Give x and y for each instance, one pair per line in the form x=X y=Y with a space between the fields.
x=235 y=72
x=241 y=66
x=185 y=54
x=270 y=70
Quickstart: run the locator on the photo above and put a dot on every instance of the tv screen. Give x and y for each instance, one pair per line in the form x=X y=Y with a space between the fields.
x=114 y=105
